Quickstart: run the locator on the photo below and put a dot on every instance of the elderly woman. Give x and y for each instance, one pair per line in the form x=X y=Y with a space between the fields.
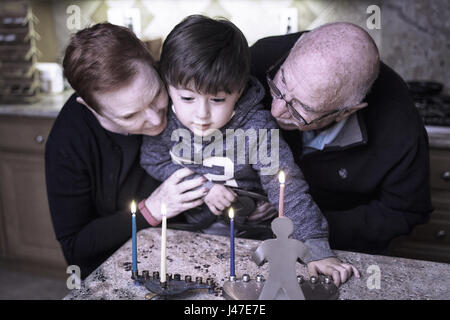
x=92 y=153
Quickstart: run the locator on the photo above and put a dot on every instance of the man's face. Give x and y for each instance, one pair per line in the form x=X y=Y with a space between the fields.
x=300 y=107
x=139 y=107
x=202 y=113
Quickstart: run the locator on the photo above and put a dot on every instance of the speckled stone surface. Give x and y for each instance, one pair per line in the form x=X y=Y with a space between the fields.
x=208 y=256
x=439 y=137
x=48 y=106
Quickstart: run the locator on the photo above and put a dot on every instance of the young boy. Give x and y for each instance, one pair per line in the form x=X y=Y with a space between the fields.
x=205 y=64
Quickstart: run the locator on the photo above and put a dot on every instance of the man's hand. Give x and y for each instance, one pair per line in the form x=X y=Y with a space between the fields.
x=219 y=198
x=333 y=267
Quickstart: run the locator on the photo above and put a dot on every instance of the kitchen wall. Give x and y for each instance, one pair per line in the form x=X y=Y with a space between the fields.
x=416 y=39
x=412 y=38
x=256 y=18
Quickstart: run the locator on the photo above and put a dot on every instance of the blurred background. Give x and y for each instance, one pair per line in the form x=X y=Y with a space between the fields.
x=412 y=36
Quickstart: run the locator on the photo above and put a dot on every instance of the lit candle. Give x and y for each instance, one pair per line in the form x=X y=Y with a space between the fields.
x=231 y=215
x=281 y=179
x=163 y=242
x=134 y=240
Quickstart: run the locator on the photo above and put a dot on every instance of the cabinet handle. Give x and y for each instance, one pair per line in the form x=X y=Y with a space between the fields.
x=440 y=234
x=445 y=175
x=39 y=139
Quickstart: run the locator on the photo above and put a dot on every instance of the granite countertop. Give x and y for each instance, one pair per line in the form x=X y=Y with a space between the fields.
x=47 y=107
x=207 y=256
x=439 y=137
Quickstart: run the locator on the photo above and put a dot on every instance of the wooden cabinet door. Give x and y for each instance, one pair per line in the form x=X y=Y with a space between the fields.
x=26 y=217
x=2 y=234
x=431 y=241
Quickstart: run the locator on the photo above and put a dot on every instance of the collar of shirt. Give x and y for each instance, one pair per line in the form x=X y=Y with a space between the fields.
x=346 y=133
x=319 y=139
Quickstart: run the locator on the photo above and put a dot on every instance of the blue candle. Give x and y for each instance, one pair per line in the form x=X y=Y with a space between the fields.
x=134 y=240
x=231 y=215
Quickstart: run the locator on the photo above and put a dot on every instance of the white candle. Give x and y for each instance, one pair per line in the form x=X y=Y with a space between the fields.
x=281 y=179
x=163 y=242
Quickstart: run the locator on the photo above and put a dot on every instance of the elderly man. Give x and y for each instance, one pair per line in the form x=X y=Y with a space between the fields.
x=354 y=132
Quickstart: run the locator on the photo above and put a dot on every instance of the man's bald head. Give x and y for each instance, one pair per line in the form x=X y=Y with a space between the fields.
x=335 y=65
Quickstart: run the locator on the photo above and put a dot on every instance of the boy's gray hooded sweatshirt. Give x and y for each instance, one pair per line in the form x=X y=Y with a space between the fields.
x=173 y=149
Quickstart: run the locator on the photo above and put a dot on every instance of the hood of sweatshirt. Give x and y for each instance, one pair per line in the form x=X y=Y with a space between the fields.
x=247 y=105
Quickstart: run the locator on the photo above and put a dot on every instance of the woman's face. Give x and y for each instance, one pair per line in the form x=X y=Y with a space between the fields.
x=137 y=108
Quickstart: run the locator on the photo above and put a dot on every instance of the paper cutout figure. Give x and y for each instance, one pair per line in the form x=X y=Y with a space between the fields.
x=281 y=254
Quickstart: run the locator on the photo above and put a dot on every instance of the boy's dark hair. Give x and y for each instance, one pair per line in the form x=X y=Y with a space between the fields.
x=102 y=58
x=213 y=53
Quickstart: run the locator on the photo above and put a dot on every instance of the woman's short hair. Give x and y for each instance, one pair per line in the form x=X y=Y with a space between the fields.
x=103 y=58
x=212 y=54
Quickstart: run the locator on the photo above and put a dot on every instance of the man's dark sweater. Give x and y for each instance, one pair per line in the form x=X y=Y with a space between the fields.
x=92 y=177
x=376 y=188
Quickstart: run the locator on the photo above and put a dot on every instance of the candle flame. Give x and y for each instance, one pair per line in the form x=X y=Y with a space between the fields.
x=163 y=209
x=133 y=207
x=281 y=176
x=231 y=213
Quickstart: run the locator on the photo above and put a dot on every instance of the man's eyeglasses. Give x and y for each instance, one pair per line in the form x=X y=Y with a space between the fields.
x=294 y=103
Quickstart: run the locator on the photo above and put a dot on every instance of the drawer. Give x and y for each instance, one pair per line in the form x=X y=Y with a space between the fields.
x=437 y=230
x=440 y=169
x=24 y=133
x=441 y=201
x=421 y=250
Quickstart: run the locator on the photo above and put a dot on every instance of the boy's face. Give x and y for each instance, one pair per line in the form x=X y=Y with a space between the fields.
x=202 y=113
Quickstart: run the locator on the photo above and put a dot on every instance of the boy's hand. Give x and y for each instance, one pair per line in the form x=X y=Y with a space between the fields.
x=333 y=267
x=219 y=198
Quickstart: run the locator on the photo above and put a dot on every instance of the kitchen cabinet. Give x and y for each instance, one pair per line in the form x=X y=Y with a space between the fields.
x=431 y=241
x=18 y=53
x=2 y=235
x=26 y=232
